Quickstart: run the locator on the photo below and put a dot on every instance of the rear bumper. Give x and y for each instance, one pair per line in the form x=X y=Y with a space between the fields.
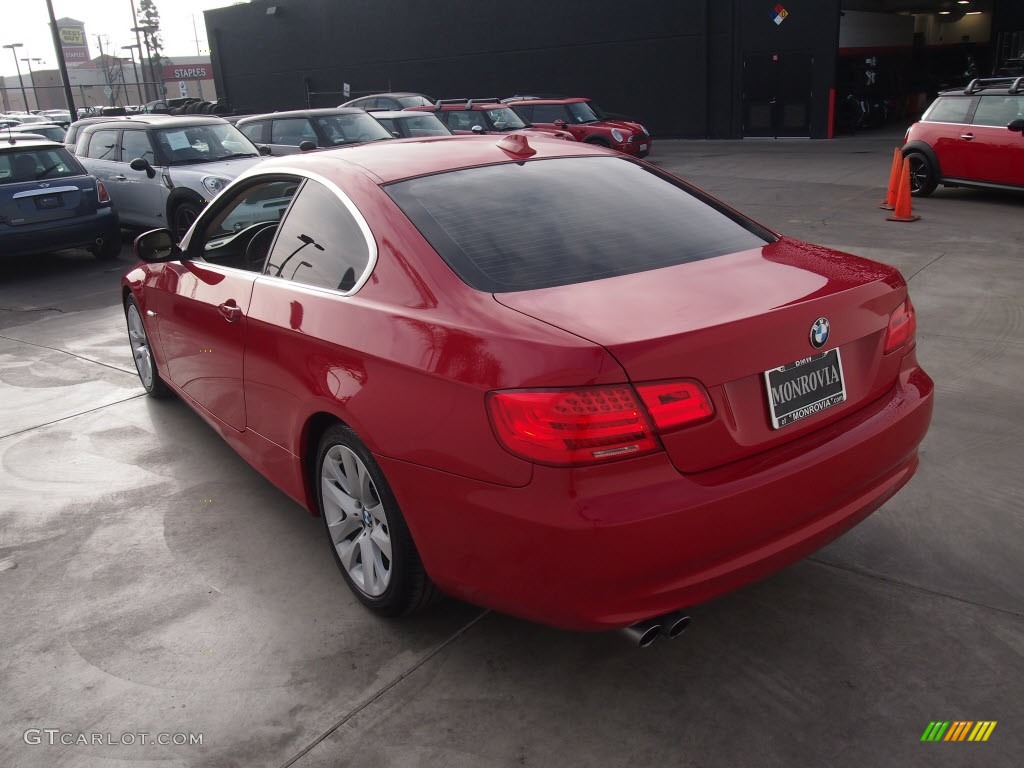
x=604 y=547
x=54 y=236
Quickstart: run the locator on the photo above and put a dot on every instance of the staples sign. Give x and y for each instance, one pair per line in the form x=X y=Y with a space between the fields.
x=186 y=72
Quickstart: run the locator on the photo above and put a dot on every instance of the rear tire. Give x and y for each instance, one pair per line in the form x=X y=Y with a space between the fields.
x=923 y=179
x=369 y=538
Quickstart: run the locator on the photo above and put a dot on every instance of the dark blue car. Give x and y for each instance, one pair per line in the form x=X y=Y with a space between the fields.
x=48 y=202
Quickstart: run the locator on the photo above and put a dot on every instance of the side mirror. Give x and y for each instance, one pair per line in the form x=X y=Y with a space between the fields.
x=306 y=146
x=396 y=134
x=560 y=123
x=263 y=149
x=477 y=129
x=142 y=164
x=156 y=245
x=1017 y=126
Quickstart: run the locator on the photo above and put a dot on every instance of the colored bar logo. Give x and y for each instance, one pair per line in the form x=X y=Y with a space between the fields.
x=958 y=730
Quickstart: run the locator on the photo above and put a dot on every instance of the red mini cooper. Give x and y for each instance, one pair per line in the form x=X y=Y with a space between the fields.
x=584 y=120
x=537 y=375
x=970 y=137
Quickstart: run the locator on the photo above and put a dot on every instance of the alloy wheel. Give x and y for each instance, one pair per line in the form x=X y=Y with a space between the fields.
x=140 y=346
x=356 y=520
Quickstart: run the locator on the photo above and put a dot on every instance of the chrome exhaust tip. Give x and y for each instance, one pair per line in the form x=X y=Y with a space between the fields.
x=643 y=633
x=675 y=623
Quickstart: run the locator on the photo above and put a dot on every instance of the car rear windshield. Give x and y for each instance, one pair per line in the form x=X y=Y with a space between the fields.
x=37 y=164
x=542 y=223
x=414 y=101
x=351 y=128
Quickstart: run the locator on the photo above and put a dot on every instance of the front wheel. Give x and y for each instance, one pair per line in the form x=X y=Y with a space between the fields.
x=370 y=541
x=142 y=352
x=182 y=218
x=922 y=175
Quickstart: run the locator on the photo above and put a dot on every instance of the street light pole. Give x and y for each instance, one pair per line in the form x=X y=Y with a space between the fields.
x=138 y=44
x=138 y=84
x=17 y=66
x=32 y=78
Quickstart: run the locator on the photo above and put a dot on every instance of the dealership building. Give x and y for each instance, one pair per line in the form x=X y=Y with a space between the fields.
x=692 y=68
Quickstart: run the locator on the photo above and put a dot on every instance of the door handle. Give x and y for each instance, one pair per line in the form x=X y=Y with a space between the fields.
x=229 y=311
x=967 y=136
x=120 y=177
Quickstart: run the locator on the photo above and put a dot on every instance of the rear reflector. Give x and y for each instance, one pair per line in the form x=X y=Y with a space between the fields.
x=902 y=327
x=561 y=427
x=101 y=192
x=676 y=403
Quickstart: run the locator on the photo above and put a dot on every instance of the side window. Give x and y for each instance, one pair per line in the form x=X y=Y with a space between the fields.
x=465 y=120
x=103 y=145
x=371 y=104
x=949 y=109
x=254 y=131
x=240 y=234
x=292 y=131
x=548 y=113
x=526 y=111
x=999 y=110
x=136 y=144
x=320 y=242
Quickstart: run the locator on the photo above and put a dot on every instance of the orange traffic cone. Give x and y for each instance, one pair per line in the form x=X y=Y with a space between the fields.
x=903 y=212
x=889 y=204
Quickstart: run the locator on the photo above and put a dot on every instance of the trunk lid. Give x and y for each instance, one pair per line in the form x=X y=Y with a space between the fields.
x=725 y=321
x=38 y=202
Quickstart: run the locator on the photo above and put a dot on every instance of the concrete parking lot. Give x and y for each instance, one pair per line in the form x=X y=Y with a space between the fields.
x=153 y=583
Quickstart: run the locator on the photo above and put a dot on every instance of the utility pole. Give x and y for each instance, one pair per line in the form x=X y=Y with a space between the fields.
x=60 y=61
x=17 y=66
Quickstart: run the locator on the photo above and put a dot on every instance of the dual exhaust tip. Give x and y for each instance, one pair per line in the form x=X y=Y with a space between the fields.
x=643 y=633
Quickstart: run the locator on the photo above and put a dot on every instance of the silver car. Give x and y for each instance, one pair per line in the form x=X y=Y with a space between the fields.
x=287 y=133
x=161 y=170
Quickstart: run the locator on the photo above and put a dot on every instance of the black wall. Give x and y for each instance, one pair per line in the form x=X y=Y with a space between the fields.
x=675 y=64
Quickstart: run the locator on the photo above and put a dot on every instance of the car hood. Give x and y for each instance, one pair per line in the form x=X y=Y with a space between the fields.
x=621 y=125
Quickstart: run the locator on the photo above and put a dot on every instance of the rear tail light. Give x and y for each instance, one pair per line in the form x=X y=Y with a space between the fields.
x=101 y=192
x=675 y=404
x=572 y=426
x=902 y=327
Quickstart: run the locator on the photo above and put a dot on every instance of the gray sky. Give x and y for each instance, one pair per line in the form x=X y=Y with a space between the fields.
x=26 y=21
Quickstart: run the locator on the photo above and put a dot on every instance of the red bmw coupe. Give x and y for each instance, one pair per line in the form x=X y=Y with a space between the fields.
x=536 y=375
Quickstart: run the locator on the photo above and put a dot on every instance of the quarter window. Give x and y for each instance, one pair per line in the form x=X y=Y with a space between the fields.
x=103 y=145
x=953 y=109
x=320 y=242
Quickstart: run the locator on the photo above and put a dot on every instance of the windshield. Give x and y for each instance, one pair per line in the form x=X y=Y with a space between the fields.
x=505 y=119
x=601 y=114
x=203 y=143
x=414 y=101
x=581 y=112
x=350 y=129
x=416 y=126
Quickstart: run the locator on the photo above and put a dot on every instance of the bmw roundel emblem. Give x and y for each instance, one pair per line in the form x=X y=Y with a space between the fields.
x=819 y=333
